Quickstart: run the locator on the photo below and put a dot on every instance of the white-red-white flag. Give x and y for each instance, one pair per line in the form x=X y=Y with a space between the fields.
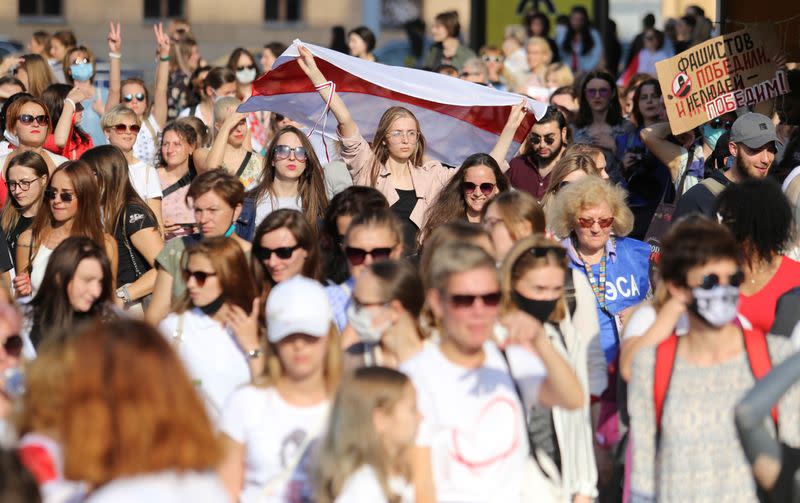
x=458 y=118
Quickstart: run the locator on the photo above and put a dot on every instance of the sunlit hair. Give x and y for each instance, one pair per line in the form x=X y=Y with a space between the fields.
x=351 y=440
x=12 y=211
x=568 y=164
x=451 y=203
x=70 y=56
x=297 y=225
x=230 y=266
x=15 y=110
x=456 y=258
x=519 y=260
x=119 y=417
x=223 y=108
x=380 y=143
x=588 y=193
x=311 y=184
x=542 y=44
x=377 y=218
x=560 y=74
x=118 y=113
x=516 y=209
x=451 y=232
x=219 y=181
x=43 y=401
x=40 y=76
x=135 y=81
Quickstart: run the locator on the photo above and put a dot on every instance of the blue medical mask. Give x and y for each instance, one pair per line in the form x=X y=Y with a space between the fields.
x=230 y=230
x=82 y=72
x=711 y=135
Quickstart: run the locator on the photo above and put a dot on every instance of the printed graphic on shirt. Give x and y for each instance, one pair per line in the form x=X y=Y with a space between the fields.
x=480 y=444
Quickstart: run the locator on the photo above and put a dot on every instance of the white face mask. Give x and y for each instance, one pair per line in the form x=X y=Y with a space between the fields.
x=716 y=306
x=11 y=137
x=362 y=322
x=246 y=76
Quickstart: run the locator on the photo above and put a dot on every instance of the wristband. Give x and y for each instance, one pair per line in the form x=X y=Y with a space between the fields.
x=69 y=100
x=114 y=55
x=163 y=58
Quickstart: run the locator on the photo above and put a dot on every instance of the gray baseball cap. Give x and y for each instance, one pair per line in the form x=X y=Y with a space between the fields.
x=754 y=130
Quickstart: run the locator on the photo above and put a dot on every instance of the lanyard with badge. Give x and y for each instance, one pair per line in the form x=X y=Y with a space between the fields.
x=599 y=288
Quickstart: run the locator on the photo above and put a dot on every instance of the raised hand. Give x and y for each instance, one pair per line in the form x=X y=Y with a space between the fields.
x=78 y=94
x=517 y=114
x=309 y=66
x=244 y=326
x=162 y=40
x=114 y=38
x=523 y=329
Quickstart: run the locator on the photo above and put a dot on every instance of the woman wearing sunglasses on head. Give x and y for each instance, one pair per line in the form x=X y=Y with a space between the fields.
x=270 y=427
x=122 y=126
x=231 y=148
x=532 y=279
x=26 y=178
x=478 y=180
x=133 y=225
x=73 y=209
x=215 y=327
x=132 y=93
x=67 y=138
x=686 y=380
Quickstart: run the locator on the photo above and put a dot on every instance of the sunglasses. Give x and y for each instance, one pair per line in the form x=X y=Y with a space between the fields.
x=284 y=252
x=284 y=151
x=718 y=123
x=13 y=345
x=603 y=93
x=121 y=128
x=543 y=251
x=357 y=256
x=536 y=139
x=22 y=185
x=28 y=119
x=588 y=223
x=486 y=188
x=712 y=280
x=248 y=67
x=199 y=276
x=50 y=194
x=130 y=97
x=463 y=301
x=492 y=59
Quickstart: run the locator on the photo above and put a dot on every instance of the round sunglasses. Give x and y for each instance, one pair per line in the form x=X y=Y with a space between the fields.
x=284 y=151
x=711 y=280
x=200 y=277
x=486 y=188
x=130 y=97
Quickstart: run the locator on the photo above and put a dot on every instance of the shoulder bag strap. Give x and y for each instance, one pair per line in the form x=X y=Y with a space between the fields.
x=244 y=164
x=755 y=343
x=682 y=181
x=665 y=360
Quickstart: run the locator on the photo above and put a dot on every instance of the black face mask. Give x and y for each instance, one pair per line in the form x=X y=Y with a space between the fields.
x=539 y=309
x=211 y=308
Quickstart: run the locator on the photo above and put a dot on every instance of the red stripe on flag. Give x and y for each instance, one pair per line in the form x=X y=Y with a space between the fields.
x=289 y=78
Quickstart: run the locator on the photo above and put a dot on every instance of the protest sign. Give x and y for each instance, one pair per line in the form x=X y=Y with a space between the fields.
x=719 y=76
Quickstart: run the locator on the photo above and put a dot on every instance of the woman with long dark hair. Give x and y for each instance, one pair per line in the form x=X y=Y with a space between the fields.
x=580 y=45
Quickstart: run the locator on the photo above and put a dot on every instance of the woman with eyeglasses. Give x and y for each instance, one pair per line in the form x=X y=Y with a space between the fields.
x=73 y=209
x=26 y=128
x=682 y=422
x=242 y=62
x=370 y=237
x=26 y=178
x=80 y=69
x=284 y=246
x=176 y=172
x=477 y=181
x=292 y=178
x=215 y=327
x=132 y=93
x=122 y=126
x=216 y=199
x=474 y=391
x=270 y=427
x=66 y=112
x=231 y=148
x=532 y=280
x=133 y=225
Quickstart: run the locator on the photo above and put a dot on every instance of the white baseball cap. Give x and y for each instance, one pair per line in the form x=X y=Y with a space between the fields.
x=298 y=305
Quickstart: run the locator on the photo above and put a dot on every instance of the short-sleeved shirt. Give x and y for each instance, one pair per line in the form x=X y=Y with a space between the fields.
x=145 y=181
x=170 y=259
x=523 y=173
x=132 y=264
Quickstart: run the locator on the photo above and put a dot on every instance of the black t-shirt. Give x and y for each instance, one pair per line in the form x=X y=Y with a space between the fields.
x=133 y=219
x=23 y=224
x=403 y=209
x=6 y=263
x=699 y=200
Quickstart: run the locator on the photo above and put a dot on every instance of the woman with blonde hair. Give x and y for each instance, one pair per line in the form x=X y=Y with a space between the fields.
x=35 y=74
x=364 y=453
x=269 y=426
x=539 y=57
x=558 y=75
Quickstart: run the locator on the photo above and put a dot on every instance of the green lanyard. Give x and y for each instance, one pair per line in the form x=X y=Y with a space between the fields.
x=598 y=286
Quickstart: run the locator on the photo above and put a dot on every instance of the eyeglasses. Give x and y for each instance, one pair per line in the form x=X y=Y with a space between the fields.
x=543 y=251
x=50 y=194
x=463 y=301
x=486 y=188
x=22 y=185
x=588 y=223
x=712 y=280
x=130 y=97
x=199 y=276
x=536 y=139
x=492 y=59
x=284 y=252
x=719 y=123
x=13 y=345
x=397 y=135
x=41 y=120
x=357 y=256
x=248 y=67
x=593 y=93
x=284 y=151
x=122 y=128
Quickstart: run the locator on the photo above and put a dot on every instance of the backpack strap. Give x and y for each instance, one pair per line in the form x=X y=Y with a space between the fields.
x=665 y=360
x=755 y=343
x=713 y=185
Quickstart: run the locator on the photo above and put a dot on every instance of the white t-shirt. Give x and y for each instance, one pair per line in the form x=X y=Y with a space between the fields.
x=144 y=179
x=212 y=356
x=271 y=431
x=363 y=487
x=186 y=112
x=163 y=487
x=145 y=147
x=473 y=422
x=268 y=204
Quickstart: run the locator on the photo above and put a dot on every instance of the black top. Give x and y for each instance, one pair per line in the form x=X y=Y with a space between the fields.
x=132 y=264
x=698 y=199
x=11 y=238
x=5 y=256
x=403 y=208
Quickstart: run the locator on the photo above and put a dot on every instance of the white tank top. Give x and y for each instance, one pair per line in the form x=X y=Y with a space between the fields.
x=38 y=266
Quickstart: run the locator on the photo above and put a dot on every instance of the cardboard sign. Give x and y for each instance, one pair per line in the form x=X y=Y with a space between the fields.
x=719 y=76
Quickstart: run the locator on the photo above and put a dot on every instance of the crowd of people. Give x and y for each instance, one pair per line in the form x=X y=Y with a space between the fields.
x=200 y=304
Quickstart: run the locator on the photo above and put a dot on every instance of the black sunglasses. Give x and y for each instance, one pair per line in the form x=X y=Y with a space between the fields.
x=719 y=123
x=543 y=251
x=357 y=256
x=712 y=280
x=13 y=345
x=283 y=252
x=129 y=97
x=27 y=119
x=468 y=300
x=50 y=194
x=486 y=188
x=536 y=139
x=199 y=276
